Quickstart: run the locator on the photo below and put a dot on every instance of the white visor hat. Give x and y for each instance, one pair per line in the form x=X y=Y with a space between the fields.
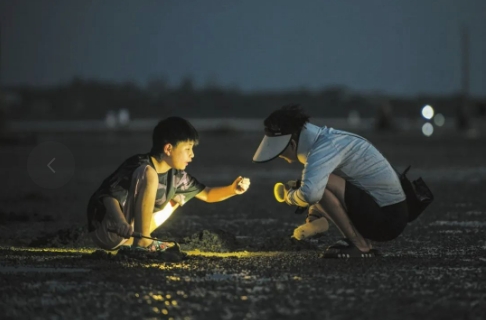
x=271 y=147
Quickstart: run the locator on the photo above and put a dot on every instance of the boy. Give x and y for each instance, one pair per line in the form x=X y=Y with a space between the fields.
x=345 y=180
x=146 y=189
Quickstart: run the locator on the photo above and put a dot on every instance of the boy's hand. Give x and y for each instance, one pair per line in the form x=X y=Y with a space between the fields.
x=124 y=230
x=241 y=185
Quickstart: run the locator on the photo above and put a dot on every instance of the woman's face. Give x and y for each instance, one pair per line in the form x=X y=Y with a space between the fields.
x=290 y=153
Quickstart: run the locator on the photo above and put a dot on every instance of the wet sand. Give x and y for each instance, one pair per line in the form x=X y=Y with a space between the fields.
x=241 y=263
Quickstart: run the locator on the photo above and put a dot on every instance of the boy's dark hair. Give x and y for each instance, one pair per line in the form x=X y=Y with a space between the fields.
x=172 y=130
x=290 y=119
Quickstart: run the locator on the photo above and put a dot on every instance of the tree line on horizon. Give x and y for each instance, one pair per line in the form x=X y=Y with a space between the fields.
x=92 y=99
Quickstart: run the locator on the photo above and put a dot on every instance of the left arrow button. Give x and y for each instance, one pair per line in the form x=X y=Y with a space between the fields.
x=49 y=165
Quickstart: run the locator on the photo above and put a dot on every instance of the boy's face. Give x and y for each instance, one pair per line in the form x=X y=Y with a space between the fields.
x=290 y=153
x=181 y=154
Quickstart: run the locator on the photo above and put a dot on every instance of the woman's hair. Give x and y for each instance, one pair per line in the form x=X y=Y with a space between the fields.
x=290 y=119
x=172 y=130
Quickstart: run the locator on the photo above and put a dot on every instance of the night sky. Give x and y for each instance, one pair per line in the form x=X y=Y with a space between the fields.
x=402 y=46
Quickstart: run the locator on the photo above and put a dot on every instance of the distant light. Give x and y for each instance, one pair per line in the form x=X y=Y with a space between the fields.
x=439 y=119
x=427 y=129
x=428 y=112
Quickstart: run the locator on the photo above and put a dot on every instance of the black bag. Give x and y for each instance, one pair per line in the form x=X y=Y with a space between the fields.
x=418 y=195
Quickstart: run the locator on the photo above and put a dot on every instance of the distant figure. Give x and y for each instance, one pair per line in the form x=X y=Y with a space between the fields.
x=146 y=188
x=123 y=118
x=345 y=180
x=384 y=118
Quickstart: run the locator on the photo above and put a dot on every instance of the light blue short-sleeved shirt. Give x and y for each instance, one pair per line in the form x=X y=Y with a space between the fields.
x=325 y=150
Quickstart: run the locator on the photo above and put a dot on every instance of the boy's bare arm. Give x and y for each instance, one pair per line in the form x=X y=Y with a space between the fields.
x=144 y=206
x=215 y=194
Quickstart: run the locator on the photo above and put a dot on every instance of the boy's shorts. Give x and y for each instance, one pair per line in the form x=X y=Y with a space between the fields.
x=109 y=240
x=105 y=239
x=372 y=221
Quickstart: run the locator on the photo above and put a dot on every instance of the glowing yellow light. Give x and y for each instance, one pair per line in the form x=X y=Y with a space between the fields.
x=172 y=266
x=174 y=303
x=428 y=112
x=240 y=254
x=439 y=120
x=173 y=278
x=164 y=214
x=244 y=298
x=167 y=303
x=427 y=129
x=157 y=297
x=168 y=296
x=137 y=295
x=279 y=192
x=61 y=250
x=164 y=311
x=156 y=310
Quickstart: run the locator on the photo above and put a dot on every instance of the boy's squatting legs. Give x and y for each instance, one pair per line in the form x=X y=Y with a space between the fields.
x=158 y=218
x=333 y=207
x=144 y=221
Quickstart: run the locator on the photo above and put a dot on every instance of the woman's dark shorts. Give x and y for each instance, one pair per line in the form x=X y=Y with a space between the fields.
x=372 y=221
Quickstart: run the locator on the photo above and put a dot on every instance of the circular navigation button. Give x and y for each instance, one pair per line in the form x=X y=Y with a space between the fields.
x=51 y=165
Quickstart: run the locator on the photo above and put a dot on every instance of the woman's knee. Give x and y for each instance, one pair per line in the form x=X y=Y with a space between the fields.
x=336 y=185
x=329 y=199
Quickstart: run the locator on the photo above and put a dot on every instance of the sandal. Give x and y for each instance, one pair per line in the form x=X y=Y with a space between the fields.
x=153 y=249
x=159 y=246
x=159 y=251
x=344 y=249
